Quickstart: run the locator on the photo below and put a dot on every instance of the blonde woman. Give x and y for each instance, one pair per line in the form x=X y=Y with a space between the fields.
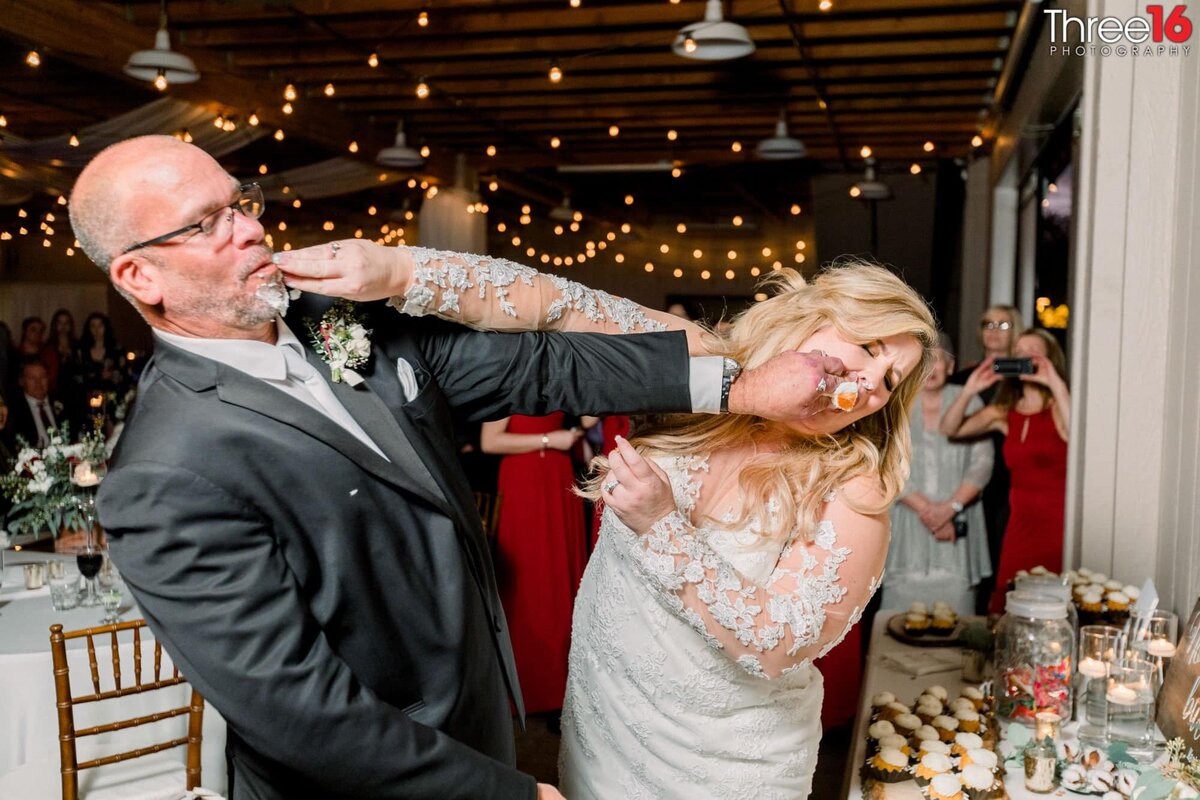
x=733 y=550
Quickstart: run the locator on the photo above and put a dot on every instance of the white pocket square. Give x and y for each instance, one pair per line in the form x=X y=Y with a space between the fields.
x=408 y=379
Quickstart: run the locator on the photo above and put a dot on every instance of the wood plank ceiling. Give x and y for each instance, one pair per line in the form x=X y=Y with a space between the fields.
x=888 y=74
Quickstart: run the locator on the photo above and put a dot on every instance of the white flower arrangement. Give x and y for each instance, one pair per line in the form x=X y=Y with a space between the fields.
x=40 y=487
x=343 y=342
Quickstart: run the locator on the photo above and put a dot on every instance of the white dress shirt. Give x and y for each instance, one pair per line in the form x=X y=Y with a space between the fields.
x=43 y=435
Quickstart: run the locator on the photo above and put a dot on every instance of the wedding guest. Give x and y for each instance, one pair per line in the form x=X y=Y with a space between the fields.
x=540 y=551
x=32 y=344
x=938 y=549
x=309 y=551
x=999 y=327
x=101 y=361
x=35 y=412
x=1033 y=413
x=6 y=443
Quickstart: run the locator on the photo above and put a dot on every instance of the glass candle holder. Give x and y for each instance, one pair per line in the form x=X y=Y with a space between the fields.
x=1130 y=704
x=1156 y=635
x=1098 y=648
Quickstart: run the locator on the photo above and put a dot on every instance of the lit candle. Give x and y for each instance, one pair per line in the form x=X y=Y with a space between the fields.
x=96 y=400
x=1046 y=725
x=1121 y=695
x=85 y=475
x=1160 y=647
x=1092 y=667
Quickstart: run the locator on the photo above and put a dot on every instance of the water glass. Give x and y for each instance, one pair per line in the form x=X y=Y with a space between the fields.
x=1098 y=648
x=56 y=569
x=111 y=600
x=64 y=592
x=1156 y=635
x=1130 y=696
x=35 y=576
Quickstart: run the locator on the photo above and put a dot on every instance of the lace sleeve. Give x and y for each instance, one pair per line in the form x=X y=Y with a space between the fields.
x=804 y=608
x=496 y=294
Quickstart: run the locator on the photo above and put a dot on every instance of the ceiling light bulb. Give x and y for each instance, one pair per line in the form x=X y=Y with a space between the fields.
x=928 y=147
x=628 y=202
x=821 y=104
x=219 y=122
x=705 y=274
x=732 y=255
x=664 y=248
x=736 y=147
x=253 y=120
x=915 y=169
x=755 y=272
x=737 y=221
x=672 y=135
x=865 y=152
x=422 y=89
x=353 y=147
x=577 y=216
x=678 y=273
x=160 y=82
x=766 y=251
x=229 y=126
x=493 y=186
x=649 y=267
x=33 y=59
x=296 y=203
x=289 y=92
x=556 y=72
x=626 y=227
x=373 y=60
x=279 y=134
x=795 y=209
x=855 y=191
x=730 y=274
x=574 y=227
x=287 y=108
x=423 y=19
x=555 y=142
x=825 y=5
x=976 y=140
x=372 y=210
x=491 y=150
x=187 y=136
x=801 y=244
x=689 y=45
x=3 y=121
x=425 y=151
x=681 y=228
x=329 y=90
x=262 y=169
x=613 y=130
x=697 y=253
x=73 y=141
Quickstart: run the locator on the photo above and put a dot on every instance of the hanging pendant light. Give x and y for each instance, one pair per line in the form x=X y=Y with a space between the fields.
x=162 y=65
x=400 y=154
x=713 y=39
x=781 y=147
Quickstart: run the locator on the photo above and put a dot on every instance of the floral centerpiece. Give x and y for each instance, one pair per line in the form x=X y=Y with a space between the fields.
x=49 y=487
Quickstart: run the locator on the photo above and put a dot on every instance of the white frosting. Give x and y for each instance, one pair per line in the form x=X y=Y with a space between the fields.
x=977 y=777
x=968 y=741
x=984 y=758
x=908 y=722
x=893 y=740
x=892 y=756
x=925 y=733
x=934 y=746
x=937 y=762
x=882 y=699
x=938 y=691
x=946 y=784
x=881 y=728
x=948 y=723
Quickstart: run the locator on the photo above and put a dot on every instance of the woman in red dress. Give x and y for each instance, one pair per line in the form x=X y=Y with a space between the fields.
x=1034 y=421
x=539 y=548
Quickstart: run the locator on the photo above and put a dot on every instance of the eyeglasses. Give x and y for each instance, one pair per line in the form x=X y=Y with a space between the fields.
x=990 y=325
x=249 y=202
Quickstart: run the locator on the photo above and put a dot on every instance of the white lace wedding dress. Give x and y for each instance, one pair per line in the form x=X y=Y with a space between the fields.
x=656 y=707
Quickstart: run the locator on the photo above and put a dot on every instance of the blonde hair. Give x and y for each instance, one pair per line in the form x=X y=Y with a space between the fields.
x=1015 y=320
x=864 y=303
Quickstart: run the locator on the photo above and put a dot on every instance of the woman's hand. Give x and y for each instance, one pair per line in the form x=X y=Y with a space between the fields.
x=982 y=377
x=563 y=439
x=935 y=515
x=352 y=268
x=640 y=492
x=945 y=533
x=1043 y=373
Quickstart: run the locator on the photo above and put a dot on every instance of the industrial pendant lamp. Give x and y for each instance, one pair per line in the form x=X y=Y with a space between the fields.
x=713 y=39
x=781 y=147
x=399 y=154
x=162 y=65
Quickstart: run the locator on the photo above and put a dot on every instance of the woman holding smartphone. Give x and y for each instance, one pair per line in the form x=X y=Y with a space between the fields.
x=1033 y=413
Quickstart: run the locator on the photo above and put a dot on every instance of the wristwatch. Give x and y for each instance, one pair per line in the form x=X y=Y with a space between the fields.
x=730 y=369
x=957 y=506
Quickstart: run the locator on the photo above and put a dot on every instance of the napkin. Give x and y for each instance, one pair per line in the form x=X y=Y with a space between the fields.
x=925 y=663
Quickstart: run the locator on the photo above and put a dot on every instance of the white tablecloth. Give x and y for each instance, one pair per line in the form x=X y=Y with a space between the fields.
x=28 y=718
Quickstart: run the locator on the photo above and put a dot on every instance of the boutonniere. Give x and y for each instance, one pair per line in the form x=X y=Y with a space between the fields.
x=342 y=341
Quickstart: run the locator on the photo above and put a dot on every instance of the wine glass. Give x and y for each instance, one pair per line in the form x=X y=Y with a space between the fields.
x=111 y=598
x=87 y=476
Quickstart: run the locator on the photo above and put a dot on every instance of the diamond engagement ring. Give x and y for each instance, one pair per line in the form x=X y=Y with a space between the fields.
x=611 y=486
x=822 y=386
x=335 y=246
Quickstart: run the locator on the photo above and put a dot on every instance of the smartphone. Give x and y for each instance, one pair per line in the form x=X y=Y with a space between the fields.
x=1011 y=367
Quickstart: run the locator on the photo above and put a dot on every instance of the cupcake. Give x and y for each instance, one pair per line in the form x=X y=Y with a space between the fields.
x=1117 y=601
x=1100 y=578
x=896 y=742
x=918 y=608
x=933 y=746
x=930 y=766
x=943 y=624
x=968 y=721
x=916 y=624
x=877 y=731
x=984 y=758
x=975 y=695
x=939 y=692
x=928 y=709
x=1113 y=585
x=978 y=783
x=946 y=727
x=925 y=733
x=1091 y=606
x=964 y=742
x=1084 y=572
x=1040 y=570
x=944 y=787
x=892 y=710
x=960 y=704
x=880 y=700
x=888 y=766
x=907 y=724
x=1132 y=592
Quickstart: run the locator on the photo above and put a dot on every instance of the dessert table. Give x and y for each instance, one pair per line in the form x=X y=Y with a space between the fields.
x=28 y=718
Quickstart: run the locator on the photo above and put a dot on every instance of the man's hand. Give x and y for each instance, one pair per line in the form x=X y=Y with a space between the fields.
x=791 y=386
x=548 y=792
x=350 y=268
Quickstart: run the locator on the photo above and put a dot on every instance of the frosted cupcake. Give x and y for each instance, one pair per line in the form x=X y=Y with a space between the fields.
x=918 y=608
x=939 y=692
x=978 y=783
x=925 y=733
x=961 y=704
x=888 y=765
x=1117 y=601
x=964 y=742
x=877 y=731
x=943 y=623
x=975 y=695
x=1113 y=585
x=933 y=746
x=930 y=766
x=1132 y=592
x=916 y=624
x=895 y=741
x=928 y=708
x=907 y=724
x=968 y=721
x=946 y=727
x=893 y=710
x=944 y=787
x=880 y=700
x=984 y=758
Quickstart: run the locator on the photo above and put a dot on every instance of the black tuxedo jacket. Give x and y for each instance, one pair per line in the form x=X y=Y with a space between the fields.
x=21 y=422
x=337 y=608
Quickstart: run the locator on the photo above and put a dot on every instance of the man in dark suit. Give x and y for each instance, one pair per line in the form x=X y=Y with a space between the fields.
x=34 y=411
x=309 y=551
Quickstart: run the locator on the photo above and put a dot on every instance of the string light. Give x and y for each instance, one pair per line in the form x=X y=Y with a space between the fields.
x=373 y=60
x=525 y=209
x=855 y=191
x=22 y=213
x=3 y=121
x=865 y=152
x=800 y=258
x=425 y=151
x=353 y=148
x=262 y=169
x=795 y=209
x=976 y=140
x=491 y=150
x=422 y=89
x=501 y=227
x=664 y=248
x=613 y=130
x=289 y=92
x=575 y=3
x=737 y=221
x=678 y=273
x=697 y=253
x=928 y=147
x=628 y=202
x=187 y=136
x=825 y=5
x=681 y=228
x=801 y=244
x=62 y=199
x=705 y=274
x=649 y=267
x=619 y=257
x=160 y=81
x=33 y=59
x=730 y=274
x=558 y=230
x=328 y=225
x=555 y=142
x=556 y=73
x=73 y=141
x=279 y=134
x=287 y=108
x=755 y=272
x=296 y=203
x=329 y=90
x=732 y=255
x=612 y=237
x=282 y=225
x=525 y=219
x=915 y=169
x=736 y=147
x=412 y=183
x=676 y=172
x=672 y=135
x=358 y=233
x=229 y=125
x=626 y=227
x=493 y=186
x=766 y=251
x=253 y=120
x=423 y=19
